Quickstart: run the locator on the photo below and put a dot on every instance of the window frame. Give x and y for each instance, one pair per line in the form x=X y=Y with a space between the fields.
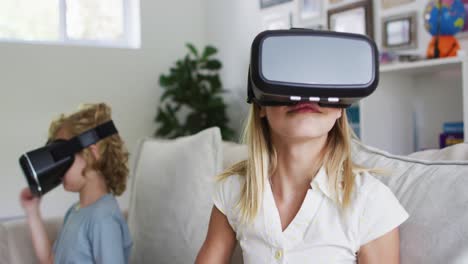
x=130 y=38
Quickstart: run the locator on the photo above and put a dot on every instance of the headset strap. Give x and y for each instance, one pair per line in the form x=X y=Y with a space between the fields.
x=84 y=140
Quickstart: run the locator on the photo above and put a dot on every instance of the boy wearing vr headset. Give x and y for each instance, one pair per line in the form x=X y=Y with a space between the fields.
x=299 y=197
x=94 y=229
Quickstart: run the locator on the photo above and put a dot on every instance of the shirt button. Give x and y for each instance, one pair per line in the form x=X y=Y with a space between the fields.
x=279 y=254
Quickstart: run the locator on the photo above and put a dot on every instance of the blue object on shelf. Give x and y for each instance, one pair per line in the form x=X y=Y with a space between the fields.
x=453 y=127
x=353 y=114
x=354 y=120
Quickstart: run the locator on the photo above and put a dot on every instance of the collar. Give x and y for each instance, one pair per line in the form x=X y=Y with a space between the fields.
x=321 y=183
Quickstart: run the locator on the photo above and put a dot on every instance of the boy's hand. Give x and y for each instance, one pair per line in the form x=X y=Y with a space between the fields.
x=29 y=202
x=40 y=240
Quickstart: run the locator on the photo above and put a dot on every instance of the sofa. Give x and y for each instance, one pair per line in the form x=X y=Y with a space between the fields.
x=171 y=200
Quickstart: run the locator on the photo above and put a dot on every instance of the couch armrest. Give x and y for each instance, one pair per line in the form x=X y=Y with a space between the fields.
x=15 y=240
x=4 y=257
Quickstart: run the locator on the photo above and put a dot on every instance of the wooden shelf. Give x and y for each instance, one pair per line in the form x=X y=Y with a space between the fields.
x=424 y=66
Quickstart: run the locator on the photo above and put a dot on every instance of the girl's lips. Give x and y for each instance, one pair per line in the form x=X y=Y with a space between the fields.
x=305 y=107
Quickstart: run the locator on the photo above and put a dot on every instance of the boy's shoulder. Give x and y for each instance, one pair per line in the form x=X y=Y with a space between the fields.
x=98 y=226
x=69 y=211
x=102 y=210
x=105 y=207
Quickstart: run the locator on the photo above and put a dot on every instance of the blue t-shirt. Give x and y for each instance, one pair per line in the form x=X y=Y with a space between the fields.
x=97 y=233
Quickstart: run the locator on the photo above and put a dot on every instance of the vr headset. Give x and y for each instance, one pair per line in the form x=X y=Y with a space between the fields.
x=330 y=68
x=45 y=167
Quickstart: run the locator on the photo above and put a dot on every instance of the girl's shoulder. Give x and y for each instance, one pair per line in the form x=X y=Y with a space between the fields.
x=378 y=208
x=366 y=183
x=227 y=192
x=375 y=197
x=232 y=182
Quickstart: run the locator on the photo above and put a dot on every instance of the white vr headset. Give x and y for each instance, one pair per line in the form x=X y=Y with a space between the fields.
x=330 y=68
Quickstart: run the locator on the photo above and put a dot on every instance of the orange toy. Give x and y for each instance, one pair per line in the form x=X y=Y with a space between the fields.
x=448 y=47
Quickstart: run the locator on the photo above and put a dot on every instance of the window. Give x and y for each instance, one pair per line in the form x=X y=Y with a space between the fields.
x=112 y=23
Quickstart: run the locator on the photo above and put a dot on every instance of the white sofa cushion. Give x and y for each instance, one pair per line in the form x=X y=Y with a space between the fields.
x=435 y=195
x=233 y=153
x=4 y=256
x=171 y=197
x=455 y=152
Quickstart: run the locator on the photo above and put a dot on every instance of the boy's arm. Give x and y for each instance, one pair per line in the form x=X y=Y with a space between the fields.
x=40 y=240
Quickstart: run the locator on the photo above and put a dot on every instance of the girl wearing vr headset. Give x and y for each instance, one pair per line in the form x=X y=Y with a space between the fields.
x=299 y=198
x=94 y=229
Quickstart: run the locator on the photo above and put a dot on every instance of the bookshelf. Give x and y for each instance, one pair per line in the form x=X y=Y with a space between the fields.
x=407 y=111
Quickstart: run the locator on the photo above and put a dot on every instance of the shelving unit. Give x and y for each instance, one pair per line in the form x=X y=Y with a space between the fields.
x=425 y=66
x=413 y=100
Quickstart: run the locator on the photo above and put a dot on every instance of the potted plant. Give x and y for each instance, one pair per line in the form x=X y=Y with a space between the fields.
x=192 y=98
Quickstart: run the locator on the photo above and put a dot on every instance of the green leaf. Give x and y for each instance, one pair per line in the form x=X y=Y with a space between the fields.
x=227 y=133
x=166 y=81
x=212 y=65
x=166 y=94
x=192 y=49
x=209 y=51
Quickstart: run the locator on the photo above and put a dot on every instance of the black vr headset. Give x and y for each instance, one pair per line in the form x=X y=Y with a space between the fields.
x=330 y=68
x=45 y=167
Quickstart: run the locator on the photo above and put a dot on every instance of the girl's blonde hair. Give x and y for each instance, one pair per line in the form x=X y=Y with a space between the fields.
x=113 y=161
x=262 y=161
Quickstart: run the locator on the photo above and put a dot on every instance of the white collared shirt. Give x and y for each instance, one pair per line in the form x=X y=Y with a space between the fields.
x=320 y=232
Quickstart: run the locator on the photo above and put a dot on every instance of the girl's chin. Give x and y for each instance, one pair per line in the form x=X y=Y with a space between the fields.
x=306 y=135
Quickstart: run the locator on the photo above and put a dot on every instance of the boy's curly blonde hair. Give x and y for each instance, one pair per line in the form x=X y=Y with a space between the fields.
x=113 y=161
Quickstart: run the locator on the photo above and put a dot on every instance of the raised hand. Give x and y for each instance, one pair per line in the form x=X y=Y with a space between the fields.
x=29 y=202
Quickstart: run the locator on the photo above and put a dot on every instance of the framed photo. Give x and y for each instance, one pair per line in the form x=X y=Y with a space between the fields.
x=393 y=3
x=270 y=3
x=277 y=21
x=352 y=18
x=400 y=31
x=310 y=10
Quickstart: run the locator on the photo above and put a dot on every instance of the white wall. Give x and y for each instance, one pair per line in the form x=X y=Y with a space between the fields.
x=40 y=81
x=231 y=26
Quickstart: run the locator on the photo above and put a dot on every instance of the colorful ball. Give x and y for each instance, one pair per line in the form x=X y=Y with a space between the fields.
x=446 y=18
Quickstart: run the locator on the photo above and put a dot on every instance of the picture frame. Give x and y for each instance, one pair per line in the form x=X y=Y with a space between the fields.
x=310 y=10
x=387 y=4
x=352 y=18
x=269 y=3
x=400 y=31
